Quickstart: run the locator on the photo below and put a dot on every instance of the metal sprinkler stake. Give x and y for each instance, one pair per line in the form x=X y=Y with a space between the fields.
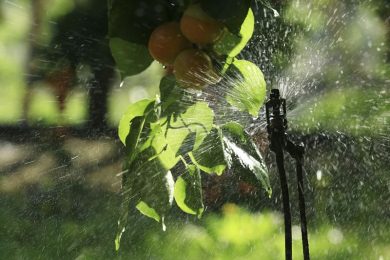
x=279 y=141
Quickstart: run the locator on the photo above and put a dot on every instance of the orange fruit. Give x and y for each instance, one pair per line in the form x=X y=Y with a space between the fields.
x=194 y=69
x=166 y=42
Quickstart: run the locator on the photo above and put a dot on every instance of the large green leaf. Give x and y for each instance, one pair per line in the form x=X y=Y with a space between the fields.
x=150 y=184
x=196 y=120
x=161 y=145
x=231 y=44
x=130 y=129
x=249 y=87
x=137 y=109
x=209 y=157
x=240 y=147
x=158 y=199
x=231 y=12
x=171 y=137
x=188 y=191
x=131 y=58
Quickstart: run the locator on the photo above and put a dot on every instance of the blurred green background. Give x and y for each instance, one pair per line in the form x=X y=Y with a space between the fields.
x=59 y=198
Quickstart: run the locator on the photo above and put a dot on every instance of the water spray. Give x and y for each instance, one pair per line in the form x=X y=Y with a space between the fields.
x=280 y=142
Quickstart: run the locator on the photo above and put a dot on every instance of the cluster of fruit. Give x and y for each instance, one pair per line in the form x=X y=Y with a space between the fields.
x=182 y=47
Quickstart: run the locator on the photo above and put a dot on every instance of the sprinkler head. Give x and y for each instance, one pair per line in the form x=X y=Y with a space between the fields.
x=275 y=94
x=276 y=113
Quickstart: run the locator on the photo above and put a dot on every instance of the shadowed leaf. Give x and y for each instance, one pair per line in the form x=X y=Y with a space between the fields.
x=241 y=148
x=209 y=157
x=188 y=191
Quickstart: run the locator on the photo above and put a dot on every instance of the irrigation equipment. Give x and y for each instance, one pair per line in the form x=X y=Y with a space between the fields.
x=280 y=142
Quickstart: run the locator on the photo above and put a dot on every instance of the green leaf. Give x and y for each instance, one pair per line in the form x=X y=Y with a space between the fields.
x=197 y=119
x=122 y=222
x=240 y=147
x=157 y=193
x=148 y=211
x=131 y=58
x=209 y=156
x=118 y=238
x=188 y=191
x=188 y=144
x=173 y=98
x=249 y=87
x=171 y=137
x=231 y=12
x=232 y=44
x=133 y=138
x=149 y=182
x=169 y=92
x=137 y=109
x=134 y=21
x=159 y=142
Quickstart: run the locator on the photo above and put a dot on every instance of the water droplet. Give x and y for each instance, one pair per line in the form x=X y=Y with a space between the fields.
x=319 y=175
x=335 y=236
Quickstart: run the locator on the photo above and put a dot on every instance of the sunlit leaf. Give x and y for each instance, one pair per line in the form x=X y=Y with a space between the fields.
x=137 y=109
x=171 y=137
x=197 y=119
x=148 y=211
x=188 y=191
x=160 y=144
x=231 y=44
x=249 y=87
